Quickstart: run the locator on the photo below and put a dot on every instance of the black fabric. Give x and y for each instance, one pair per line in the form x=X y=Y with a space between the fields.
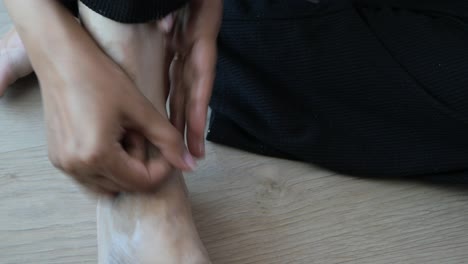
x=363 y=87
x=72 y=5
x=129 y=11
x=368 y=88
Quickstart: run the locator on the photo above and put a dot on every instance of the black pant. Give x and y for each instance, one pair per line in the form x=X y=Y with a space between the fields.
x=129 y=11
x=369 y=87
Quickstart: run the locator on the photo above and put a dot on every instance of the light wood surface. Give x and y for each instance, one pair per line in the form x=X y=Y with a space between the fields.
x=249 y=209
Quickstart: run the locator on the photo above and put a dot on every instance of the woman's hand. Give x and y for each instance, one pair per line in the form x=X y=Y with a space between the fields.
x=91 y=105
x=90 y=108
x=194 y=33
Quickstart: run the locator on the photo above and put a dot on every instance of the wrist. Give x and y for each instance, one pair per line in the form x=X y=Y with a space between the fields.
x=51 y=34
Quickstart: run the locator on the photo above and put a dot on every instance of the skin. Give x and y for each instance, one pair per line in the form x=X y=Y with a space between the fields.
x=85 y=125
x=154 y=227
x=161 y=219
x=191 y=59
x=193 y=68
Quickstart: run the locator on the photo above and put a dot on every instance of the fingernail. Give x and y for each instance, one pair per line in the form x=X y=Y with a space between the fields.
x=167 y=23
x=190 y=161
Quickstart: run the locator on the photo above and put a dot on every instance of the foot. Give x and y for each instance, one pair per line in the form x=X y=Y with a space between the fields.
x=14 y=61
x=149 y=229
x=143 y=228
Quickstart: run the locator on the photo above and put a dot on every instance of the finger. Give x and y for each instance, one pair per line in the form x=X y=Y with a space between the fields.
x=177 y=93
x=201 y=74
x=177 y=96
x=93 y=189
x=161 y=133
x=157 y=166
x=94 y=176
x=96 y=192
x=131 y=173
x=159 y=171
x=138 y=148
x=107 y=184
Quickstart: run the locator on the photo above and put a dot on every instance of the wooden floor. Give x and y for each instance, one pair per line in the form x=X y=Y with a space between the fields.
x=249 y=209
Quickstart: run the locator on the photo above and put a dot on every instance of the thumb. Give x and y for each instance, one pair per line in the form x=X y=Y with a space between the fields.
x=162 y=134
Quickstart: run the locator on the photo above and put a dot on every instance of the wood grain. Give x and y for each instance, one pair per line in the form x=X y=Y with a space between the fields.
x=249 y=209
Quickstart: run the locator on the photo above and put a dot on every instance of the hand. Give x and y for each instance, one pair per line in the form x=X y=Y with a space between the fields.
x=89 y=107
x=194 y=34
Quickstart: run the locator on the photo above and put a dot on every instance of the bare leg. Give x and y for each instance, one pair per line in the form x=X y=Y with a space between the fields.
x=137 y=228
x=14 y=62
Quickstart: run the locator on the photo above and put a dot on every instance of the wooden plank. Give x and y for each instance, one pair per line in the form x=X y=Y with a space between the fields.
x=256 y=210
x=45 y=218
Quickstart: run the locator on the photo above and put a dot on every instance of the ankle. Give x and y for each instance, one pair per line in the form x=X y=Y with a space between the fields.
x=150 y=228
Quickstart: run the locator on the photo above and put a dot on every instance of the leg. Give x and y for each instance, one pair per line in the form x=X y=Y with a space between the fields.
x=136 y=228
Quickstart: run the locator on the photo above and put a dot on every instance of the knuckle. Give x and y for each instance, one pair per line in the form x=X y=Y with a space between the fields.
x=68 y=164
x=73 y=159
x=89 y=157
x=63 y=161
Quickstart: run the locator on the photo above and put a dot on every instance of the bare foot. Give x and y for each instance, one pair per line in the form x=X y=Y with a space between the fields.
x=149 y=229
x=143 y=228
x=14 y=61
